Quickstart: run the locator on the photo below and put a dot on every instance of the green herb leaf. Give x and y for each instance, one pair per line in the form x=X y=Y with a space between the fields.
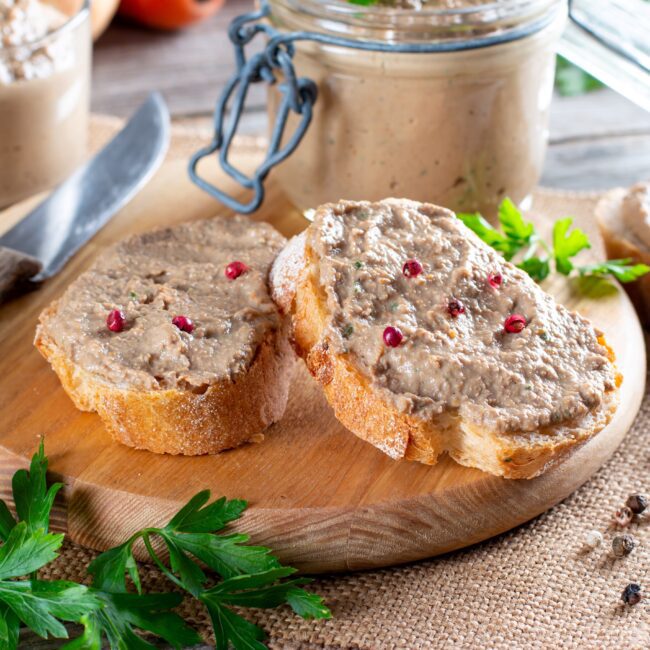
x=40 y=605
x=491 y=236
x=306 y=604
x=24 y=552
x=188 y=571
x=108 y=569
x=122 y=613
x=230 y=628
x=7 y=521
x=571 y=80
x=9 y=628
x=623 y=270
x=262 y=590
x=194 y=518
x=32 y=498
x=537 y=268
x=228 y=555
x=91 y=639
x=516 y=229
x=567 y=244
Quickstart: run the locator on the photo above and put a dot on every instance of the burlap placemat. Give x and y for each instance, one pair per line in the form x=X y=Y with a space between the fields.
x=533 y=587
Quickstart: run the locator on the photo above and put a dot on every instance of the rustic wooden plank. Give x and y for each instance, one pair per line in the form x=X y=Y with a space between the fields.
x=188 y=66
x=598 y=113
x=598 y=163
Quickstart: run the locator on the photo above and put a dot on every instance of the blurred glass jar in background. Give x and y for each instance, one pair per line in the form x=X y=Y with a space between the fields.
x=461 y=128
x=45 y=52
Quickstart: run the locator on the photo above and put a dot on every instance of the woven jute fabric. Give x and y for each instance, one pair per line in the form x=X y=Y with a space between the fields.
x=533 y=587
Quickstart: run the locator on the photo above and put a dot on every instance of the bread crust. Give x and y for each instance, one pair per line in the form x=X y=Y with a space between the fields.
x=617 y=247
x=228 y=413
x=364 y=411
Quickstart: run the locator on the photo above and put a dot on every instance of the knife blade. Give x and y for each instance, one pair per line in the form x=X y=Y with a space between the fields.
x=79 y=207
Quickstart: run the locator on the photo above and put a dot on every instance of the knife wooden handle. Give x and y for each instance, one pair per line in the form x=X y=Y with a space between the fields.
x=15 y=270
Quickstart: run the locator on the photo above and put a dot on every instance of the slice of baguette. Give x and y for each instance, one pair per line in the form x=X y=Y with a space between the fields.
x=188 y=411
x=621 y=243
x=370 y=411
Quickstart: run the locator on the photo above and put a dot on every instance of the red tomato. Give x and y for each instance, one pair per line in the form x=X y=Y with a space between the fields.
x=168 y=14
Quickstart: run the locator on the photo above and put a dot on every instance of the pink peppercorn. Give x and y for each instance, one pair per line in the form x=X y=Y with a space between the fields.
x=495 y=280
x=455 y=308
x=235 y=269
x=514 y=324
x=183 y=323
x=116 y=320
x=412 y=268
x=392 y=336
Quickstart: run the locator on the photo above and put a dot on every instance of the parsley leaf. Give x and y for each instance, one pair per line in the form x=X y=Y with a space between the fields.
x=42 y=605
x=91 y=639
x=537 y=268
x=566 y=244
x=7 y=521
x=250 y=577
x=9 y=628
x=32 y=498
x=232 y=628
x=228 y=555
x=25 y=552
x=490 y=235
x=515 y=228
x=122 y=613
x=519 y=234
x=259 y=590
x=195 y=518
x=108 y=569
x=571 y=80
x=623 y=270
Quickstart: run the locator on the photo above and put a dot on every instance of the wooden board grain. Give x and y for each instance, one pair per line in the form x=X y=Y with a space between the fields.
x=321 y=498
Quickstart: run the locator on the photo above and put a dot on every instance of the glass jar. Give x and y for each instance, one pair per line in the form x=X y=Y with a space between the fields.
x=463 y=126
x=45 y=53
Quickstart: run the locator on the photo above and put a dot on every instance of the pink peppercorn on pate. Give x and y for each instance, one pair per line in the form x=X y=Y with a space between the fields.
x=426 y=341
x=173 y=339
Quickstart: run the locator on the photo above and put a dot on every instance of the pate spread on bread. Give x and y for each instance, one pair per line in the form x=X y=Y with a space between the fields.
x=427 y=341
x=201 y=361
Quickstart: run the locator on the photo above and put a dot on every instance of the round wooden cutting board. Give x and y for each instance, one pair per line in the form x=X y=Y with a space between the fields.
x=320 y=497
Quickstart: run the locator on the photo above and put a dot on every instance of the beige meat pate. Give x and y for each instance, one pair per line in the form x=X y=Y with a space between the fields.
x=455 y=353
x=155 y=277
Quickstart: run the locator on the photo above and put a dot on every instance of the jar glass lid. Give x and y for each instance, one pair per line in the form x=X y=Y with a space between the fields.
x=417 y=20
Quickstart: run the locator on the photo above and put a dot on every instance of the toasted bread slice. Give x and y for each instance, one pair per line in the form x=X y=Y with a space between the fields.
x=618 y=214
x=511 y=403
x=162 y=384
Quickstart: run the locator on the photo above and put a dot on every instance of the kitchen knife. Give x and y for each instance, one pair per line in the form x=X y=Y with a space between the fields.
x=38 y=246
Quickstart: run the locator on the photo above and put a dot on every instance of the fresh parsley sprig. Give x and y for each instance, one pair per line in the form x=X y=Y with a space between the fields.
x=249 y=576
x=519 y=241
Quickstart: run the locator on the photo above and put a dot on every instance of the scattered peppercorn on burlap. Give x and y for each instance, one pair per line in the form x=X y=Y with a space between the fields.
x=534 y=587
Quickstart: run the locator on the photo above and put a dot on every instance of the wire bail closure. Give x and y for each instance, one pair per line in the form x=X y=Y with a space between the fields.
x=298 y=94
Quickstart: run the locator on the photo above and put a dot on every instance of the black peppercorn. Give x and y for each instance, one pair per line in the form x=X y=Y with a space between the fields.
x=623 y=545
x=632 y=594
x=637 y=503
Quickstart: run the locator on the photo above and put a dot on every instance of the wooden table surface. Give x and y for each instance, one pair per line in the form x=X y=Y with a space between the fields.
x=597 y=141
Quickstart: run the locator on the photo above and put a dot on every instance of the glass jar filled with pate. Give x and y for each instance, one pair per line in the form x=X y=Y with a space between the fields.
x=462 y=126
x=45 y=52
